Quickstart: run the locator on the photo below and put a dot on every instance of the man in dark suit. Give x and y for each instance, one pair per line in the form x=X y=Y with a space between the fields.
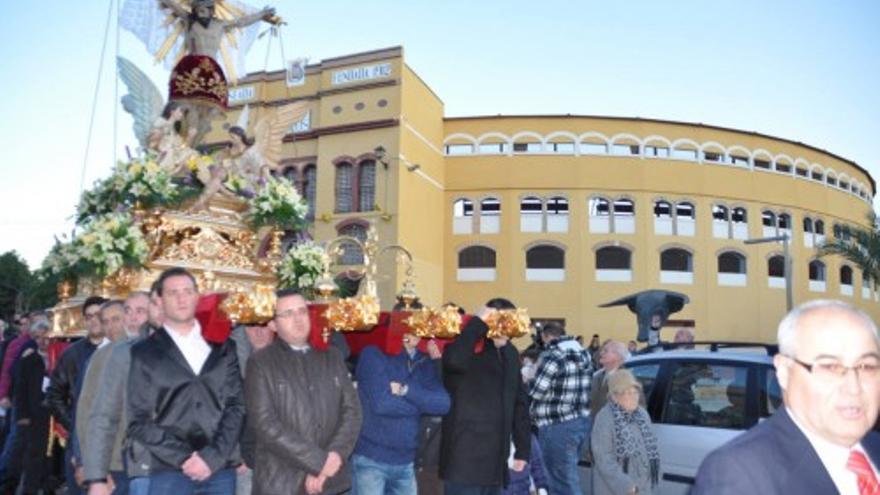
x=821 y=441
x=489 y=409
x=185 y=400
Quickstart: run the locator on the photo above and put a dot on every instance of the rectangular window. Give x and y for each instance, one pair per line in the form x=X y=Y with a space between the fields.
x=684 y=154
x=783 y=167
x=459 y=149
x=739 y=160
x=711 y=157
x=561 y=148
x=625 y=149
x=657 y=151
x=593 y=149
x=762 y=164
x=801 y=172
x=492 y=149
x=527 y=147
x=707 y=395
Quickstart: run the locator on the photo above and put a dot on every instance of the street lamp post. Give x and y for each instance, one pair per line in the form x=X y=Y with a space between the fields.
x=789 y=299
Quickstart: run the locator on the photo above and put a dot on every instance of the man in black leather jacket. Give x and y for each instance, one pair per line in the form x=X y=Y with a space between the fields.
x=186 y=407
x=62 y=392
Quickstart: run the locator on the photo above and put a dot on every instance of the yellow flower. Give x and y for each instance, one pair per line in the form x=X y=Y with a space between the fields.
x=135 y=168
x=193 y=164
x=152 y=167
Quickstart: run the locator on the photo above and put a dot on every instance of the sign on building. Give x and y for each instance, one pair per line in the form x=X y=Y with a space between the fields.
x=360 y=74
x=296 y=72
x=303 y=125
x=241 y=94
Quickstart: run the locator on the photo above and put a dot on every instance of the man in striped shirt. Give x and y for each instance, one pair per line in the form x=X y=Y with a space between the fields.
x=560 y=406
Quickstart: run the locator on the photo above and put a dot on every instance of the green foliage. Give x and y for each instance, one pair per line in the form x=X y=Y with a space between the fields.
x=861 y=247
x=15 y=284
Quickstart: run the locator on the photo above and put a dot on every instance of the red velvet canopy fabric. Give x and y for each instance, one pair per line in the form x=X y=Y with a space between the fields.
x=198 y=79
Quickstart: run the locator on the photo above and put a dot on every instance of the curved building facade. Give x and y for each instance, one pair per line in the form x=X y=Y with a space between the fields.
x=563 y=213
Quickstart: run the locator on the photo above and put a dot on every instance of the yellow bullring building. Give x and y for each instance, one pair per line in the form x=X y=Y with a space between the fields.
x=563 y=213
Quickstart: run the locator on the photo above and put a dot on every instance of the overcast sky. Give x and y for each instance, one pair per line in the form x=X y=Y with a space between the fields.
x=802 y=70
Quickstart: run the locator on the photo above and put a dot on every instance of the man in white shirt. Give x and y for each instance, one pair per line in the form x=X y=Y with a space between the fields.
x=185 y=400
x=821 y=441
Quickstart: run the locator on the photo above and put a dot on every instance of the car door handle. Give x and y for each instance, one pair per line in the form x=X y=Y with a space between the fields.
x=678 y=478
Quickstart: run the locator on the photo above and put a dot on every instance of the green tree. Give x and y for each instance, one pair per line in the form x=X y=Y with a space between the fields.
x=860 y=246
x=15 y=284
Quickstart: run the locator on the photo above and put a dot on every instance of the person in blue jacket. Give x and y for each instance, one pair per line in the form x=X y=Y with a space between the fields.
x=395 y=391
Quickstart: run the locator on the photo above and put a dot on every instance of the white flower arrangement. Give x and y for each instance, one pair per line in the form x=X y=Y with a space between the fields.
x=140 y=182
x=277 y=204
x=301 y=266
x=108 y=243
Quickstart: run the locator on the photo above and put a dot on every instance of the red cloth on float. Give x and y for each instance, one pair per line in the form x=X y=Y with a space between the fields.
x=198 y=79
x=216 y=326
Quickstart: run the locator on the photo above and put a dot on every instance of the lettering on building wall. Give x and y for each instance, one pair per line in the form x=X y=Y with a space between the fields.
x=359 y=74
x=241 y=94
x=303 y=125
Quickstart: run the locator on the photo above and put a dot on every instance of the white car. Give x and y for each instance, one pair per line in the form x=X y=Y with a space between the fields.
x=698 y=400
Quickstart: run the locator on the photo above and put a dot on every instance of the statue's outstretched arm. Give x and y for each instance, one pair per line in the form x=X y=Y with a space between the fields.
x=247 y=20
x=175 y=7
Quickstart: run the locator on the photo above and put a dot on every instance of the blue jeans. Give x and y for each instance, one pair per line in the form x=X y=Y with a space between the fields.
x=456 y=488
x=10 y=464
x=120 y=480
x=561 y=444
x=139 y=485
x=175 y=482
x=369 y=477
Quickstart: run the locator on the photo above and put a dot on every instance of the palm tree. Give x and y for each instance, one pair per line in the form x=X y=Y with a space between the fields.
x=860 y=246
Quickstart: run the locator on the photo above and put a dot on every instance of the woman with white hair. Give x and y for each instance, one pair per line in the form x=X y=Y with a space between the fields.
x=625 y=456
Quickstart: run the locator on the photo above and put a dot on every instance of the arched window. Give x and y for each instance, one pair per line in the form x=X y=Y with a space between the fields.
x=676 y=266
x=623 y=216
x=676 y=260
x=600 y=215
x=545 y=263
x=731 y=262
x=685 y=219
x=476 y=257
x=557 y=214
x=662 y=209
x=720 y=213
x=367 y=186
x=310 y=188
x=613 y=258
x=490 y=211
x=776 y=266
x=463 y=208
x=531 y=214
x=846 y=275
x=462 y=216
x=820 y=227
x=784 y=221
x=817 y=276
x=808 y=225
x=768 y=218
x=545 y=256
x=289 y=173
x=344 y=181
x=663 y=221
x=476 y=264
x=351 y=253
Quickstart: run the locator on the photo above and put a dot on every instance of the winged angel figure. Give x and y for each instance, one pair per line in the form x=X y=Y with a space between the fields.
x=191 y=36
x=248 y=160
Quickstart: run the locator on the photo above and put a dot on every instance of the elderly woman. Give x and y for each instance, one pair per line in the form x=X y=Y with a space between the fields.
x=626 y=460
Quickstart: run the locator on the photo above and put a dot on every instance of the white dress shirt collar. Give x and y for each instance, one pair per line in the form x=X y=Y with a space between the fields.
x=834 y=458
x=192 y=345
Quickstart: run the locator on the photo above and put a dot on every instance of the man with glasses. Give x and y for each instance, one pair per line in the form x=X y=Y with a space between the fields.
x=302 y=408
x=61 y=395
x=821 y=441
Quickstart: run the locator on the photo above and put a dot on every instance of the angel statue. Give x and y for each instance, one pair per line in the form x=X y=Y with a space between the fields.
x=247 y=162
x=196 y=32
x=159 y=127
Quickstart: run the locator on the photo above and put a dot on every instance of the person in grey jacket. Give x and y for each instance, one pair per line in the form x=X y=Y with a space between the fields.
x=108 y=420
x=626 y=460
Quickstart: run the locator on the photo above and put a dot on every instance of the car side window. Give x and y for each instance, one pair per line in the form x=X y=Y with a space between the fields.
x=703 y=394
x=646 y=374
x=771 y=393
